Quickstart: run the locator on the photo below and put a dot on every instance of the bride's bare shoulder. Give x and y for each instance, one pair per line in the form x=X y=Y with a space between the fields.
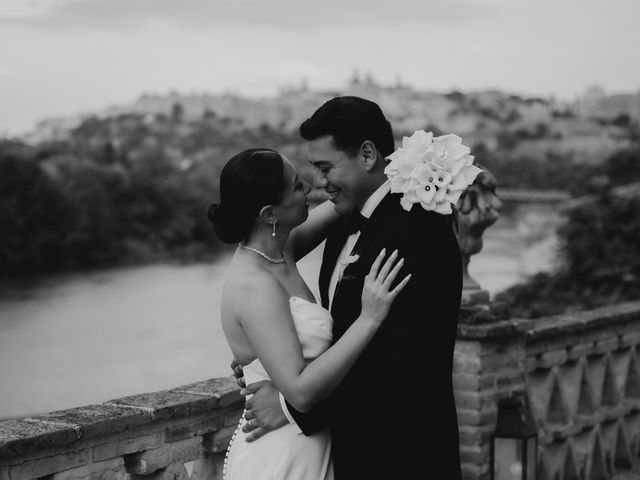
x=245 y=281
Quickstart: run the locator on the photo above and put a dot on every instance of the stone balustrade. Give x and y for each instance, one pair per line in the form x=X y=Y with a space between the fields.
x=580 y=372
x=176 y=434
x=581 y=375
x=583 y=383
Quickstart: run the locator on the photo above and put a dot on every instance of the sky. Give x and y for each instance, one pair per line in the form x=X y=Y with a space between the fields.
x=64 y=57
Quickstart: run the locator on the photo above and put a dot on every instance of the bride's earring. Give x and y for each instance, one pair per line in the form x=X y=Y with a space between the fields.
x=273 y=232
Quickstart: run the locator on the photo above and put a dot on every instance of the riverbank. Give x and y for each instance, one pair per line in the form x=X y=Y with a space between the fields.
x=19 y=285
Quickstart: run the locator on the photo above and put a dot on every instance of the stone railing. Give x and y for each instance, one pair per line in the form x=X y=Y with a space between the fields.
x=580 y=374
x=176 y=434
x=583 y=384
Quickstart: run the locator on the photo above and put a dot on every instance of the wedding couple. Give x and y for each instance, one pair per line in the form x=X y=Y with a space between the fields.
x=358 y=385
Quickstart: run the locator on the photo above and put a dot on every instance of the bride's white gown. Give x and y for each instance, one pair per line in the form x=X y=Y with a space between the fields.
x=285 y=454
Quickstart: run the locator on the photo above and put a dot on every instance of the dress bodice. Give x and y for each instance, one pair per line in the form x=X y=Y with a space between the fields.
x=313 y=324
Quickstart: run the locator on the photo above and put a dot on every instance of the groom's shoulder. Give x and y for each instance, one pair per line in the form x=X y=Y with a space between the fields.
x=418 y=217
x=414 y=222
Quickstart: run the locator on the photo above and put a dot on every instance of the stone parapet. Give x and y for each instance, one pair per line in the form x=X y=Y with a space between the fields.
x=583 y=384
x=624 y=316
x=580 y=373
x=177 y=433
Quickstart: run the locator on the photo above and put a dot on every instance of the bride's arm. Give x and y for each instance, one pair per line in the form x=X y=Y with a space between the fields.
x=267 y=323
x=307 y=236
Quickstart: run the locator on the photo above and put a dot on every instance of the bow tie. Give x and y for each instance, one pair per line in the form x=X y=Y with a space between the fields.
x=354 y=223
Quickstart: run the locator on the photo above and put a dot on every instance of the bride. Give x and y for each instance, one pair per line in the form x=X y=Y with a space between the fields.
x=274 y=325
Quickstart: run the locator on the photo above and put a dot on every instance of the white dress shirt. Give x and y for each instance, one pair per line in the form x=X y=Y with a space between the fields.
x=343 y=260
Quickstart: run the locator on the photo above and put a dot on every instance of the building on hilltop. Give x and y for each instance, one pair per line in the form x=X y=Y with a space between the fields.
x=595 y=103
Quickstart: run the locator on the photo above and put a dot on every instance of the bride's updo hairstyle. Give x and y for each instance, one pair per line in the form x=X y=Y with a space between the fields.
x=250 y=180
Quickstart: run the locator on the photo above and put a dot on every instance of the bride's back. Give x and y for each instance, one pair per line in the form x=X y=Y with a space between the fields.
x=241 y=271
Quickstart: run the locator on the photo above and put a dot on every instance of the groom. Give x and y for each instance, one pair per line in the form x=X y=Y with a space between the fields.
x=380 y=426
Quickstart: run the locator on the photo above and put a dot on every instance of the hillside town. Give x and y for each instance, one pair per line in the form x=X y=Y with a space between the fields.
x=592 y=126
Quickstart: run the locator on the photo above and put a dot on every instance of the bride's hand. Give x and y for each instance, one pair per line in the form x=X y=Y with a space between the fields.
x=376 y=294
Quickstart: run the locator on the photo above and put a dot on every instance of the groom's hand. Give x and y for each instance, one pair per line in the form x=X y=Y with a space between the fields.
x=263 y=410
x=238 y=373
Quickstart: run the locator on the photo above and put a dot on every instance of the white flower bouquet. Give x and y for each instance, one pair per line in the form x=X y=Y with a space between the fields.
x=431 y=171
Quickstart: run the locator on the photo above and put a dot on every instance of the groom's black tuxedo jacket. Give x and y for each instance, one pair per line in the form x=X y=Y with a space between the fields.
x=394 y=415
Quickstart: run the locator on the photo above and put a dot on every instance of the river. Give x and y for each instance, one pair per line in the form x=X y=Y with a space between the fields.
x=87 y=338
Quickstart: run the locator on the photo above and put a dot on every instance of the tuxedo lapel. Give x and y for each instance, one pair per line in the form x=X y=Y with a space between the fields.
x=332 y=248
x=386 y=207
x=347 y=296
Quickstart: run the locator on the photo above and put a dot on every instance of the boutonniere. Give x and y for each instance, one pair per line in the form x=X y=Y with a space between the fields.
x=350 y=259
x=431 y=171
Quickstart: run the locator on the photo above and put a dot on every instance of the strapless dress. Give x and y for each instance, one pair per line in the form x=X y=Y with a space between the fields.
x=286 y=453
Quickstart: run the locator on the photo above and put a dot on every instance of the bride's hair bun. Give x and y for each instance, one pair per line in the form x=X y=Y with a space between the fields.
x=228 y=228
x=250 y=180
x=215 y=212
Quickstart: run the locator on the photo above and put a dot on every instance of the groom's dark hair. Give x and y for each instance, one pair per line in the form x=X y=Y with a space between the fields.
x=350 y=121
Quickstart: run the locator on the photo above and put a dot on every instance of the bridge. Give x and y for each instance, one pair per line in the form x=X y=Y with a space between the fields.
x=561 y=197
x=626 y=190
x=518 y=195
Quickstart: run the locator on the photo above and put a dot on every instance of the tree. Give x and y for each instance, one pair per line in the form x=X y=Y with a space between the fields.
x=622 y=120
x=35 y=218
x=622 y=167
x=600 y=261
x=177 y=112
x=93 y=238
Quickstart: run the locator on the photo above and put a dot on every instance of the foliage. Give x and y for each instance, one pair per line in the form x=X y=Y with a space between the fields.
x=600 y=251
x=559 y=172
x=622 y=167
x=34 y=216
x=124 y=189
x=556 y=172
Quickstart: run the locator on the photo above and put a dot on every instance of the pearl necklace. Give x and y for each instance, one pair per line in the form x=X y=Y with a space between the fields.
x=262 y=254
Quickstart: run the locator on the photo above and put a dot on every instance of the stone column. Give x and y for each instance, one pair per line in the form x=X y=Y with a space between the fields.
x=479 y=208
x=489 y=358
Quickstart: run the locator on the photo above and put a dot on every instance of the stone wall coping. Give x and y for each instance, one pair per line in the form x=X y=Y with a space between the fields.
x=501 y=328
x=569 y=323
x=25 y=435
x=545 y=327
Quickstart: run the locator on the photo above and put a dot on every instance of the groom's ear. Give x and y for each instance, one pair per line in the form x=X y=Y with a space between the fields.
x=369 y=155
